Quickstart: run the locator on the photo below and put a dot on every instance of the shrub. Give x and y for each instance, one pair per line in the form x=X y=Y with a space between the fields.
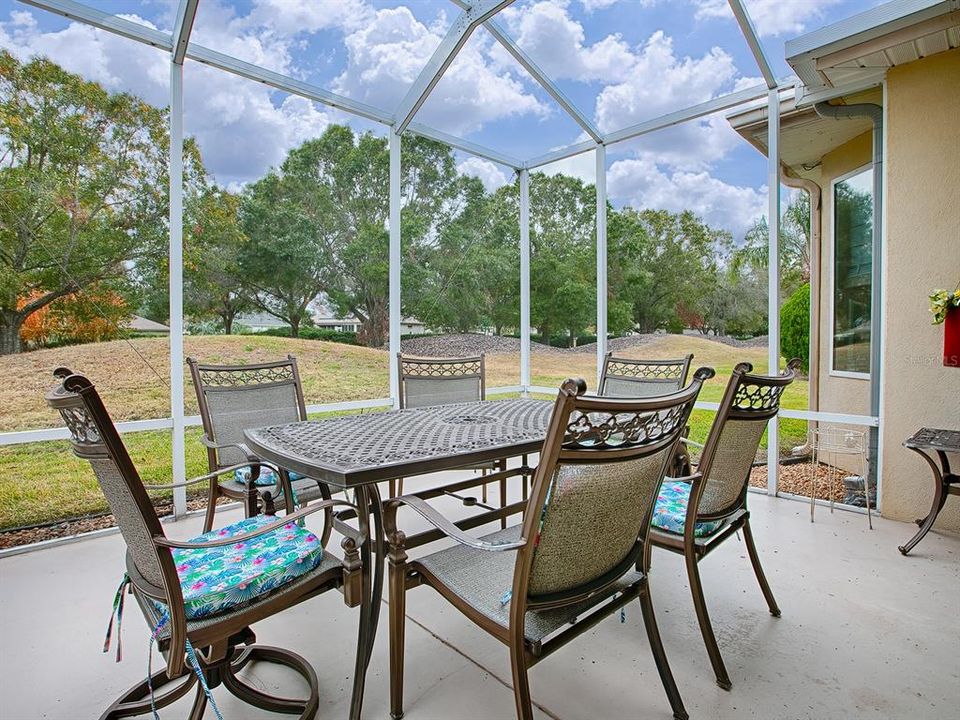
x=314 y=333
x=795 y=326
x=96 y=314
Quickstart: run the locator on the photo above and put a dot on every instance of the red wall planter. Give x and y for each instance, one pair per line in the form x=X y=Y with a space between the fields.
x=951 y=338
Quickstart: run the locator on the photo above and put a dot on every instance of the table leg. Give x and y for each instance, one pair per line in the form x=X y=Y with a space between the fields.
x=368 y=498
x=939 y=498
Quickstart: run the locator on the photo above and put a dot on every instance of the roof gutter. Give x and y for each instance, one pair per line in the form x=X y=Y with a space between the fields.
x=875 y=113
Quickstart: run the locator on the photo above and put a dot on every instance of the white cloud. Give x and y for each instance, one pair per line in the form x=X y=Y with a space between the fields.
x=771 y=17
x=641 y=183
x=550 y=36
x=240 y=130
x=488 y=172
x=387 y=54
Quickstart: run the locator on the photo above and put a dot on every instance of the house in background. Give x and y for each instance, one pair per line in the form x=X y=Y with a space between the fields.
x=143 y=325
x=875 y=123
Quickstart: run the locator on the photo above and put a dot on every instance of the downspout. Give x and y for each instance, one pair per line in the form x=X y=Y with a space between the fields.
x=875 y=113
x=813 y=388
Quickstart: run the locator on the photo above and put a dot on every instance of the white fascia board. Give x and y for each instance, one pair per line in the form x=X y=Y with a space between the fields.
x=105 y=21
x=724 y=102
x=560 y=154
x=753 y=42
x=283 y=82
x=443 y=56
x=807 y=96
x=186 y=14
x=465 y=145
x=867 y=25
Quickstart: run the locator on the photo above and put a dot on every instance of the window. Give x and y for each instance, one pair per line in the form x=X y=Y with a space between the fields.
x=852 y=271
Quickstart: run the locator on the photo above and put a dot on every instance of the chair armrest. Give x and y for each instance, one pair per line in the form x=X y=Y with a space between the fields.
x=209 y=476
x=689 y=479
x=285 y=520
x=448 y=528
x=208 y=443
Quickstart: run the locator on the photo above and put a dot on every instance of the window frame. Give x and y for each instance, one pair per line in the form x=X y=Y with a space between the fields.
x=849 y=374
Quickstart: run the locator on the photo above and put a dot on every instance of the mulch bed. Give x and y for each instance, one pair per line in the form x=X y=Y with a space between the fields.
x=795 y=478
x=75 y=526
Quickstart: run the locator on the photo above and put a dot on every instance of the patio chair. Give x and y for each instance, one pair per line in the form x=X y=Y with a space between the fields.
x=695 y=514
x=198 y=595
x=234 y=398
x=444 y=381
x=626 y=377
x=576 y=558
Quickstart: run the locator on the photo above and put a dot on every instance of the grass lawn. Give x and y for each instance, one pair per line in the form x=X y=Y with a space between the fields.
x=42 y=482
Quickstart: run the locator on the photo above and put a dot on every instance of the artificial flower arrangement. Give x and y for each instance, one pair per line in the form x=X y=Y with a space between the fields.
x=945 y=307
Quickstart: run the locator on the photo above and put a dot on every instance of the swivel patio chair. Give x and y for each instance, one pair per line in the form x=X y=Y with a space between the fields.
x=576 y=558
x=234 y=398
x=201 y=596
x=695 y=514
x=444 y=381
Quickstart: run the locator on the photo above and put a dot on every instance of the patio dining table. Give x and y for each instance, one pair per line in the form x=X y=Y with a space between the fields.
x=355 y=452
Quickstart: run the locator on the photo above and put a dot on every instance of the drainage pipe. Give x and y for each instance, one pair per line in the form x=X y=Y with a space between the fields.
x=875 y=113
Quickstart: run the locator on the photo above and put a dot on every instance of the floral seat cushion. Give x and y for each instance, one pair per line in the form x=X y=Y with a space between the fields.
x=214 y=580
x=266 y=477
x=670 y=512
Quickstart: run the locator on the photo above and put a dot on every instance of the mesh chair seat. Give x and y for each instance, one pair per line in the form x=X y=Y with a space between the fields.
x=481 y=578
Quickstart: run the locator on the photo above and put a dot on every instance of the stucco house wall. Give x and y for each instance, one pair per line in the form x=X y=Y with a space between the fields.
x=922 y=253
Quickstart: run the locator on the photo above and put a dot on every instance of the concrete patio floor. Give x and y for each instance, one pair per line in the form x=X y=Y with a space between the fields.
x=865 y=633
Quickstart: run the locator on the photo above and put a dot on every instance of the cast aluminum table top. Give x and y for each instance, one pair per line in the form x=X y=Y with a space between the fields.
x=352 y=450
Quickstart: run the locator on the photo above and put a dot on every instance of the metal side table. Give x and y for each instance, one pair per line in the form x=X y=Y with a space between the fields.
x=930 y=443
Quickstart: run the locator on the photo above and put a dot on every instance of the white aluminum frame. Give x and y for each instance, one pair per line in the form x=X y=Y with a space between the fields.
x=831 y=371
x=474 y=13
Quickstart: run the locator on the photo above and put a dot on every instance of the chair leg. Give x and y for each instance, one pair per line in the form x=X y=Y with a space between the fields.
x=392 y=488
x=136 y=701
x=483 y=488
x=397 y=612
x=199 y=705
x=758 y=570
x=306 y=708
x=521 y=684
x=660 y=656
x=709 y=639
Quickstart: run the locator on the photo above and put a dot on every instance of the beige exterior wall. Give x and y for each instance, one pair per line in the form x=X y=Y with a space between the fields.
x=837 y=394
x=922 y=253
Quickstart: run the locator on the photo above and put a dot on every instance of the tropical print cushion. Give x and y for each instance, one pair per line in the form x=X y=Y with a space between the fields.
x=266 y=477
x=671 y=510
x=214 y=580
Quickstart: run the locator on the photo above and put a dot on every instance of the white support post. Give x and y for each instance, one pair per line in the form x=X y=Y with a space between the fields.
x=601 y=185
x=525 y=281
x=176 y=287
x=773 y=277
x=394 y=266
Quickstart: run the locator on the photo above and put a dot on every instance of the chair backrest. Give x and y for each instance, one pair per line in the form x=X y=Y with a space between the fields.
x=624 y=377
x=441 y=381
x=94 y=438
x=594 y=489
x=730 y=450
x=234 y=398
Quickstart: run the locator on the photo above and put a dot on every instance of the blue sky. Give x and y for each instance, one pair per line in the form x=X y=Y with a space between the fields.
x=619 y=61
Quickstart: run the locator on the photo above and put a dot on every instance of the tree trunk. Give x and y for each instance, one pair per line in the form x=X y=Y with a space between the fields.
x=294 y=326
x=227 y=318
x=10 y=323
x=375 y=330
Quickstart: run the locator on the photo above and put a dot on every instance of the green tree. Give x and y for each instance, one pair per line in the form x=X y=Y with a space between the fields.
x=794 y=244
x=795 y=325
x=661 y=261
x=83 y=187
x=214 y=282
x=318 y=224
